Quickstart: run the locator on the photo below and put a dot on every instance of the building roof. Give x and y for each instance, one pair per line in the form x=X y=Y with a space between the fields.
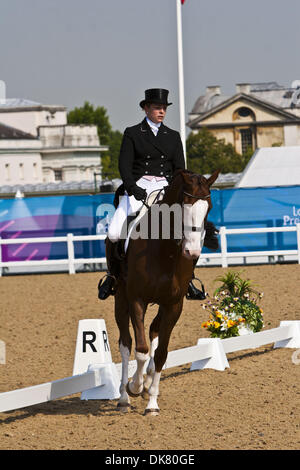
x=272 y=166
x=11 y=133
x=289 y=116
x=271 y=92
x=88 y=187
x=207 y=102
x=16 y=104
x=58 y=188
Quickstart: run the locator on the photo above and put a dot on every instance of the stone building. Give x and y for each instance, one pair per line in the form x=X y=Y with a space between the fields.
x=38 y=147
x=257 y=115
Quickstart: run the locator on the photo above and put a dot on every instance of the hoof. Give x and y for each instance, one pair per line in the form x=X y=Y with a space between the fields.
x=151 y=412
x=124 y=407
x=130 y=393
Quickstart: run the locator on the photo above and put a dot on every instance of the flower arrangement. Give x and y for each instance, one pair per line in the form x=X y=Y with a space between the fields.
x=234 y=310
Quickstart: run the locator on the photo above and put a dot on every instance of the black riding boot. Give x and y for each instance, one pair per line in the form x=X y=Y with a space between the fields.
x=107 y=285
x=193 y=293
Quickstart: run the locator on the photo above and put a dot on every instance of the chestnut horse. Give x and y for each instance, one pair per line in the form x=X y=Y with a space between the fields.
x=158 y=271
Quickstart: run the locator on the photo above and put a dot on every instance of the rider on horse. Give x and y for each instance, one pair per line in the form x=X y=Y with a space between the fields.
x=150 y=154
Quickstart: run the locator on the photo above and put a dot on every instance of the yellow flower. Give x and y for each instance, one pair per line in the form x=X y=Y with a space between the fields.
x=204 y=324
x=217 y=324
x=230 y=323
x=219 y=315
x=261 y=310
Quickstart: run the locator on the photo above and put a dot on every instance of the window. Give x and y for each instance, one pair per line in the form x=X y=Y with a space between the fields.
x=246 y=136
x=7 y=171
x=244 y=112
x=21 y=171
x=35 y=175
x=58 y=175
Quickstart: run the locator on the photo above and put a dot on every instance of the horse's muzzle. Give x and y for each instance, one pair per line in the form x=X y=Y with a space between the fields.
x=191 y=254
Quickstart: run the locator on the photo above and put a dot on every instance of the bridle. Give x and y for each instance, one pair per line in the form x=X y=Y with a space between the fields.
x=194 y=228
x=195 y=196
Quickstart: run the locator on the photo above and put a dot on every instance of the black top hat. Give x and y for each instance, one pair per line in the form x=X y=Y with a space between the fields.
x=157 y=96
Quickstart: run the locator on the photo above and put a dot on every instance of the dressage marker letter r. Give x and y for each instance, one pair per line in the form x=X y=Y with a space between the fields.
x=105 y=340
x=90 y=341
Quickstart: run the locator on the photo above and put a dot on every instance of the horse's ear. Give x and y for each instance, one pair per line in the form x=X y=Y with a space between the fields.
x=213 y=177
x=181 y=172
x=178 y=172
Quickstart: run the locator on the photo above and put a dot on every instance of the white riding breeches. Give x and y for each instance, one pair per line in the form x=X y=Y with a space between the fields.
x=129 y=205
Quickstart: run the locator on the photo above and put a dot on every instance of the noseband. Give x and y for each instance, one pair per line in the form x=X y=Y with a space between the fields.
x=194 y=228
x=195 y=196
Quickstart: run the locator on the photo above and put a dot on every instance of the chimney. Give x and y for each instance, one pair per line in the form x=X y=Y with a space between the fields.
x=2 y=91
x=243 y=88
x=213 y=90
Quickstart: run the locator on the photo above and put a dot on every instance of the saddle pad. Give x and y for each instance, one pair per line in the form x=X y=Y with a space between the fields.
x=152 y=198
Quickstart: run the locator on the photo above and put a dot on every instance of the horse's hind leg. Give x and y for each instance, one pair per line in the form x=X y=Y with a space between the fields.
x=167 y=322
x=153 y=335
x=125 y=342
x=138 y=309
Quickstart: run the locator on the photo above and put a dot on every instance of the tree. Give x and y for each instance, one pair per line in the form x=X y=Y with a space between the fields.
x=89 y=115
x=206 y=153
x=110 y=160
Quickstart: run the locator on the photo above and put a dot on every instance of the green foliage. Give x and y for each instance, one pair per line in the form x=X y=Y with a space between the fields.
x=205 y=153
x=234 y=307
x=110 y=160
x=234 y=285
x=89 y=115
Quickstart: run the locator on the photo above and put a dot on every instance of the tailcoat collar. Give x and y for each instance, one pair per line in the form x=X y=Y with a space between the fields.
x=159 y=140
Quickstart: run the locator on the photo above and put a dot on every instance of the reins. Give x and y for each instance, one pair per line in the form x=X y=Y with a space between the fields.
x=187 y=228
x=144 y=201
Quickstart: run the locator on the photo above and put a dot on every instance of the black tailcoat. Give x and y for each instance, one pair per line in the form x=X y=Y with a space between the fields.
x=143 y=153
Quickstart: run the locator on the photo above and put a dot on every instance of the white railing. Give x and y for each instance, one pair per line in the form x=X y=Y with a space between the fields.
x=237 y=231
x=71 y=261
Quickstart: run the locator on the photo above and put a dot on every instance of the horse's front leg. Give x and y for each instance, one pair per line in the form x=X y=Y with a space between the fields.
x=137 y=314
x=153 y=335
x=151 y=367
x=124 y=400
x=125 y=342
x=166 y=325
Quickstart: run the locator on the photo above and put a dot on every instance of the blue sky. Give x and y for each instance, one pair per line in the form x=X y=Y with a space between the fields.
x=109 y=51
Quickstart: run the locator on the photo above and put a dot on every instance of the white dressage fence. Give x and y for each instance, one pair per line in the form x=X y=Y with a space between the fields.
x=71 y=261
x=97 y=377
x=238 y=231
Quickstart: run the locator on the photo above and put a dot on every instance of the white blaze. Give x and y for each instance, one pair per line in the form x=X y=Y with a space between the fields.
x=194 y=215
